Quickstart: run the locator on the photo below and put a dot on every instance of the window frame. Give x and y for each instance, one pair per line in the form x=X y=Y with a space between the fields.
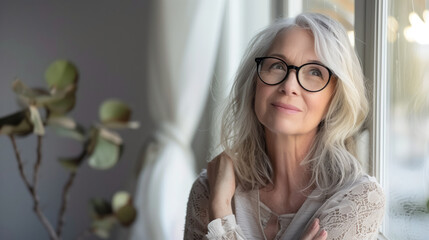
x=371 y=26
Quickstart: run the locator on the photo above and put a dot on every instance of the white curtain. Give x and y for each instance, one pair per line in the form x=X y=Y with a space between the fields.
x=243 y=20
x=184 y=38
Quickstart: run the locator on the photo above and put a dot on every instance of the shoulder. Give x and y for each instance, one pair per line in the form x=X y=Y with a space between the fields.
x=197 y=215
x=200 y=188
x=354 y=212
x=365 y=187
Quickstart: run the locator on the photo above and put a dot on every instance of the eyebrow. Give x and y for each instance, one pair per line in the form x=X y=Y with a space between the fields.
x=286 y=60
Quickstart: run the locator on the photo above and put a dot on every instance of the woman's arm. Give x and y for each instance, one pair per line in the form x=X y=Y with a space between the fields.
x=216 y=202
x=221 y=177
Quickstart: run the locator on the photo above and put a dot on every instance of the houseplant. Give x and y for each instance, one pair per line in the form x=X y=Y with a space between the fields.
x=102 y=146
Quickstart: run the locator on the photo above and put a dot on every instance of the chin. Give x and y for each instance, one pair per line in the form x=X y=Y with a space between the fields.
x=284 y=128
x=289 y=128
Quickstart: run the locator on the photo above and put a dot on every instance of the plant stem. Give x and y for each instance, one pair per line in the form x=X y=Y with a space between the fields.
x=65 y=196
x=38 y=161
x=33 y=193
x=20 y=165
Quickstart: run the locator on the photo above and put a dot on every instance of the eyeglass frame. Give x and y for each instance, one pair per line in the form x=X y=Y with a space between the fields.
x=258 y=61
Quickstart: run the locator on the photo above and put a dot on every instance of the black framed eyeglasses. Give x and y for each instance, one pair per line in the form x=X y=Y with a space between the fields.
x=312 y=77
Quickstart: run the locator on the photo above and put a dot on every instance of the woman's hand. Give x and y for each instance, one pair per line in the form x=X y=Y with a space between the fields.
x=220 y=172
x=313 y=232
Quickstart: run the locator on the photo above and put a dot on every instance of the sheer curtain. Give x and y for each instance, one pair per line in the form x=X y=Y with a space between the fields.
x=191 y=42
x=243 y=19
x=183 y=47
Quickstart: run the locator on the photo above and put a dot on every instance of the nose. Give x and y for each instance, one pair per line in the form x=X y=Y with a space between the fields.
x=290 y=85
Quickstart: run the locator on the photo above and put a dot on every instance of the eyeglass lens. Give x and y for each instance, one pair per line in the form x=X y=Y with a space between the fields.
x=312 y=77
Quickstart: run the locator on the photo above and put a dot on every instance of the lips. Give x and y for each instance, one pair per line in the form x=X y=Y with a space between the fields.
x=286 y=107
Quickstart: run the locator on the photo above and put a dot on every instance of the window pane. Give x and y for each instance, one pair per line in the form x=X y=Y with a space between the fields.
x=341 y=10
x=407 y=167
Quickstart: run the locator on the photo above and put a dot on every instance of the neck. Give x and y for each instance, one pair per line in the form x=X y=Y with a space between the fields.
x=286 y=154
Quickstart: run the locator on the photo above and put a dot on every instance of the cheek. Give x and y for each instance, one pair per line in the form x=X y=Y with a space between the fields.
x=319 y=105
x=328 y=97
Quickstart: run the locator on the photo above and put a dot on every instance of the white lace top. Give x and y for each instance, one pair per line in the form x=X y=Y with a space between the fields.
x=354 y=212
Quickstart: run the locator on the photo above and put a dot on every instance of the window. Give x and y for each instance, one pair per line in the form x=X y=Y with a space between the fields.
x=394 y=49
x=340 y=10
x=407 y=163
x=395 y=62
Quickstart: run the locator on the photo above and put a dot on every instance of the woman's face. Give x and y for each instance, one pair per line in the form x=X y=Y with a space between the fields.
x=286 y=108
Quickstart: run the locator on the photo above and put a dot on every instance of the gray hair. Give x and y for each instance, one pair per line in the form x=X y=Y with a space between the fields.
x=331 y=157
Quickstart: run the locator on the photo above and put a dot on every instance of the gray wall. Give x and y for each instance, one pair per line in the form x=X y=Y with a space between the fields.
x=107 y=41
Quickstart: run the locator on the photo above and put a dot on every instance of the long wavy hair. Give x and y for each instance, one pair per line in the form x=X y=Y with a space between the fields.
x=331 y=157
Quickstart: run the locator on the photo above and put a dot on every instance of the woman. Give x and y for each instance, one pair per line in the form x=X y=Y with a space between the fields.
x=288 y=169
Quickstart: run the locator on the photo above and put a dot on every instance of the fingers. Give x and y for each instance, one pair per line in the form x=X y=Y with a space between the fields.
x=314 y=232
x=314 y=229
x=322 y=235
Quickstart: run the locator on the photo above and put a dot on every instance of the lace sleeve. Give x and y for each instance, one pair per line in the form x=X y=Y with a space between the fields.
x=197 y=215
x=225 y=229
x=356 y=215
x=197 y=224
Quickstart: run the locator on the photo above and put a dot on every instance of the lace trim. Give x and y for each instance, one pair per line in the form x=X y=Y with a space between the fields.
x=357 y=216
x=197 y=216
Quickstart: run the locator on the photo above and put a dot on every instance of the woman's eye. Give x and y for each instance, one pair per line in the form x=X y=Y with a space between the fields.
x=277 y=66
x=316 y=72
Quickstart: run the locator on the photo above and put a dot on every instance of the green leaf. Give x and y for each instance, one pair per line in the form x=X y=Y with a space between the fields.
x=102 y=227
x=126 y=215
x=100 y=208
x=21 y=89
x=36 y=120
x=77 y=134
x=92 y=140
x=103 y=218
x=62 y=121
x=114 y=111
x=122 y=125
x=41 y=97
x=61 y=74
x=62 y=106
x=31 y=95
x=71 y=164
x=106 y=154
x=17 y=123
x=67 y=127
x=110 y=136
x=120 y=199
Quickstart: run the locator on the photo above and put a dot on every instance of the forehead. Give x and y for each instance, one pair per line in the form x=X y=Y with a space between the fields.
x=294 y=44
